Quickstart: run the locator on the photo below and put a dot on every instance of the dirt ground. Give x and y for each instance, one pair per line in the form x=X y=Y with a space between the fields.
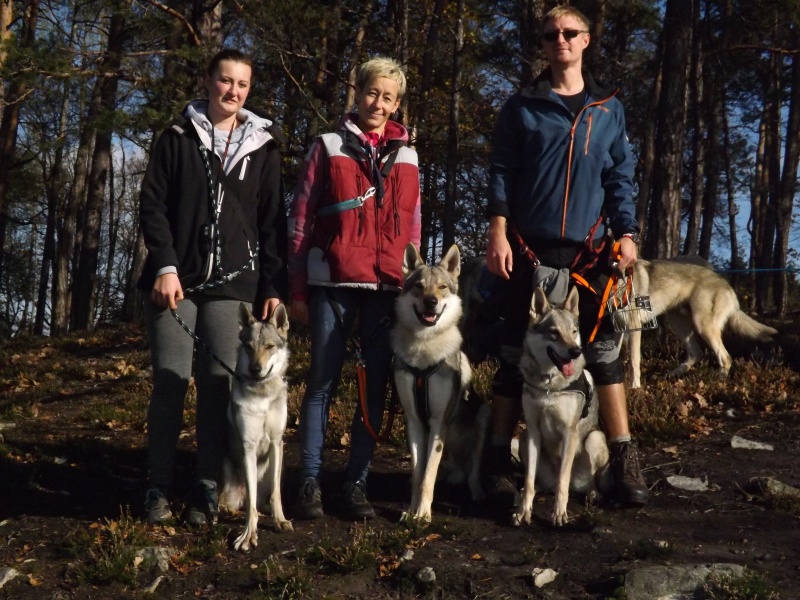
x=65 y=477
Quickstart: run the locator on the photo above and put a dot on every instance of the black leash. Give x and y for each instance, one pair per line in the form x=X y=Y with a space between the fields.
x=223 y=279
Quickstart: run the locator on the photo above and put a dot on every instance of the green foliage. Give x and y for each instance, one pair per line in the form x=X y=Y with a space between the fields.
x=281 y=582
x=106 y=550
x=752 y=585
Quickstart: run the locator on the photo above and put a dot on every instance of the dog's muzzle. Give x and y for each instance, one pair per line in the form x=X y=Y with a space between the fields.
x=256 y=376
x=429 y=316
x=565 y=365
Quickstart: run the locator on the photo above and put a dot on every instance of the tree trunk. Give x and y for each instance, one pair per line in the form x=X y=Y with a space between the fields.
x=530 y=22
x=671 y=125
x=647 y=225
x=451 y=185
x=713 y=168
x=733 y=209
x=700 y=141
x=788 y=185
x=355 y=59
x=9 y=124
x=85 y=280
x=6 y=18
x=759 y=190
x=772 y=151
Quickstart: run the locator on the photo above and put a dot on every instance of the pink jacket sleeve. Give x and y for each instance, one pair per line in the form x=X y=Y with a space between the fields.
x=310 y=185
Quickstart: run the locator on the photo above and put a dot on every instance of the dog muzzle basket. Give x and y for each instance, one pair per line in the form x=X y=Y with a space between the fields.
x=628 y=310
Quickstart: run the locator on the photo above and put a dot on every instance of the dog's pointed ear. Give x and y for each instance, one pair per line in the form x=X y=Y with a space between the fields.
x=571 y=303
x=246 y=317
x=539 y=304
x=452 y=261
x=280 y=318
x=411 y=259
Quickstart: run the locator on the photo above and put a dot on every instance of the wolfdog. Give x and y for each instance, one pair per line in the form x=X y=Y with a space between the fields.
x=257 y=419
x=695 y=301
x=562 y=447
x=432 y=376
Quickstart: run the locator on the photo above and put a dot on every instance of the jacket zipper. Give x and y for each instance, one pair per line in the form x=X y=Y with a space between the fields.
x=569 y=156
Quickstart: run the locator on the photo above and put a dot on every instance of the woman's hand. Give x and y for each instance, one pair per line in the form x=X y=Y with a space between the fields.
x=167 y=291
x=270 y=304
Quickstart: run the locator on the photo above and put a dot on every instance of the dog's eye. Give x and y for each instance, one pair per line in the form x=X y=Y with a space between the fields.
x=442 y=287
x=270 y=346
x=419 y=285
x=554 y=336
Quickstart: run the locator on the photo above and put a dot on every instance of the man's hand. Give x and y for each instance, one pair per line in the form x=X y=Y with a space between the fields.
x=167 y=291
x=298 y=311
x=627 y=255
x=270 y=304
x=499 y=257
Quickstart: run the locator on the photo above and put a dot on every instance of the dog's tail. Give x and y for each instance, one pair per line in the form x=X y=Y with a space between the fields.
x=745 y=326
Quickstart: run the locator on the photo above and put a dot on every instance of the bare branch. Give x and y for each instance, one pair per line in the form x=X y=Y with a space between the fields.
x=188 y=26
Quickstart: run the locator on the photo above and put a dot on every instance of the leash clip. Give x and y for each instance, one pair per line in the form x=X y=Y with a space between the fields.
x=367 y=195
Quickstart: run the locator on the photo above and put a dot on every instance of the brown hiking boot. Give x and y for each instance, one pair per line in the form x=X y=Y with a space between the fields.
x=629 y=487
x=500 y=485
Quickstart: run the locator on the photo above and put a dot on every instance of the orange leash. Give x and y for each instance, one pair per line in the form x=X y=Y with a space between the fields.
x=361 y=380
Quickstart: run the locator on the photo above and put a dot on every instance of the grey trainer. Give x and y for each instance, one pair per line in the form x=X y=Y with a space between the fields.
x=156 y=507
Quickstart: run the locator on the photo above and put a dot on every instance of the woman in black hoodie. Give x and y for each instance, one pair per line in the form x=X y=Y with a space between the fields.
x=214 y=224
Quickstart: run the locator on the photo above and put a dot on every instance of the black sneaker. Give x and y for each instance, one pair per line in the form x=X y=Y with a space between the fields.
x=156 y=507
x=203 y=504
x=309 y=500
x=628 y=487
x=502 y=494
x=354 y=504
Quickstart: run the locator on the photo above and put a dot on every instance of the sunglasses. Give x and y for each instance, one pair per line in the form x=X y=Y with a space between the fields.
x=569 y=34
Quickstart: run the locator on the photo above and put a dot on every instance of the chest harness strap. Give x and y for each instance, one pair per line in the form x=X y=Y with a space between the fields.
x=581 y=384
x=422 y=389
x=358 y=202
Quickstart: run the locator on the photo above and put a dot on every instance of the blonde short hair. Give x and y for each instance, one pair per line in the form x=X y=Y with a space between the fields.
x=381 y=66
x=564 y=10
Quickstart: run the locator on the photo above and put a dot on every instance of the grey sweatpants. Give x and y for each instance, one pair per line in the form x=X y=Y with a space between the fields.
x=216 y=322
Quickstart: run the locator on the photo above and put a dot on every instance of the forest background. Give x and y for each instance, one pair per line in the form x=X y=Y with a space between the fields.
x=711 y=91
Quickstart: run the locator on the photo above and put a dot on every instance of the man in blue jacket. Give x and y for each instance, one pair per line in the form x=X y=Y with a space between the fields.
x=561 y=161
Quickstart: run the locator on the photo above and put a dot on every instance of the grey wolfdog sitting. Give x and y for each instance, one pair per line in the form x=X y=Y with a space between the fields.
x=562 y=447
x=257 y=416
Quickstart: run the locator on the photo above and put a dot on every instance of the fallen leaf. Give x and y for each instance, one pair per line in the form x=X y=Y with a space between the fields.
x=670 y=449
x=476 y=557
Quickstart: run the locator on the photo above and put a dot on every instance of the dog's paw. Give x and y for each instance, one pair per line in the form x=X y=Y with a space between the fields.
x=282 y=526
x=560 y=516
x=521 y=518
x=246 y=540
x=412 y=520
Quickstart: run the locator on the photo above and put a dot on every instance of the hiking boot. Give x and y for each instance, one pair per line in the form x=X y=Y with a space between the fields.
x=628 y=487
x=309 y=500
x=156 y=507
x=354 y=504
x=203 y=504
x=502 y=494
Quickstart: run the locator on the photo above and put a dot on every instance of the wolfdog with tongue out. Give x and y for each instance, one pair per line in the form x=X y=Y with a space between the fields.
x=562 y=447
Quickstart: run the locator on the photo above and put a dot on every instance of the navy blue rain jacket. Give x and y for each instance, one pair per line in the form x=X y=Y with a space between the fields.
x=553 y=173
